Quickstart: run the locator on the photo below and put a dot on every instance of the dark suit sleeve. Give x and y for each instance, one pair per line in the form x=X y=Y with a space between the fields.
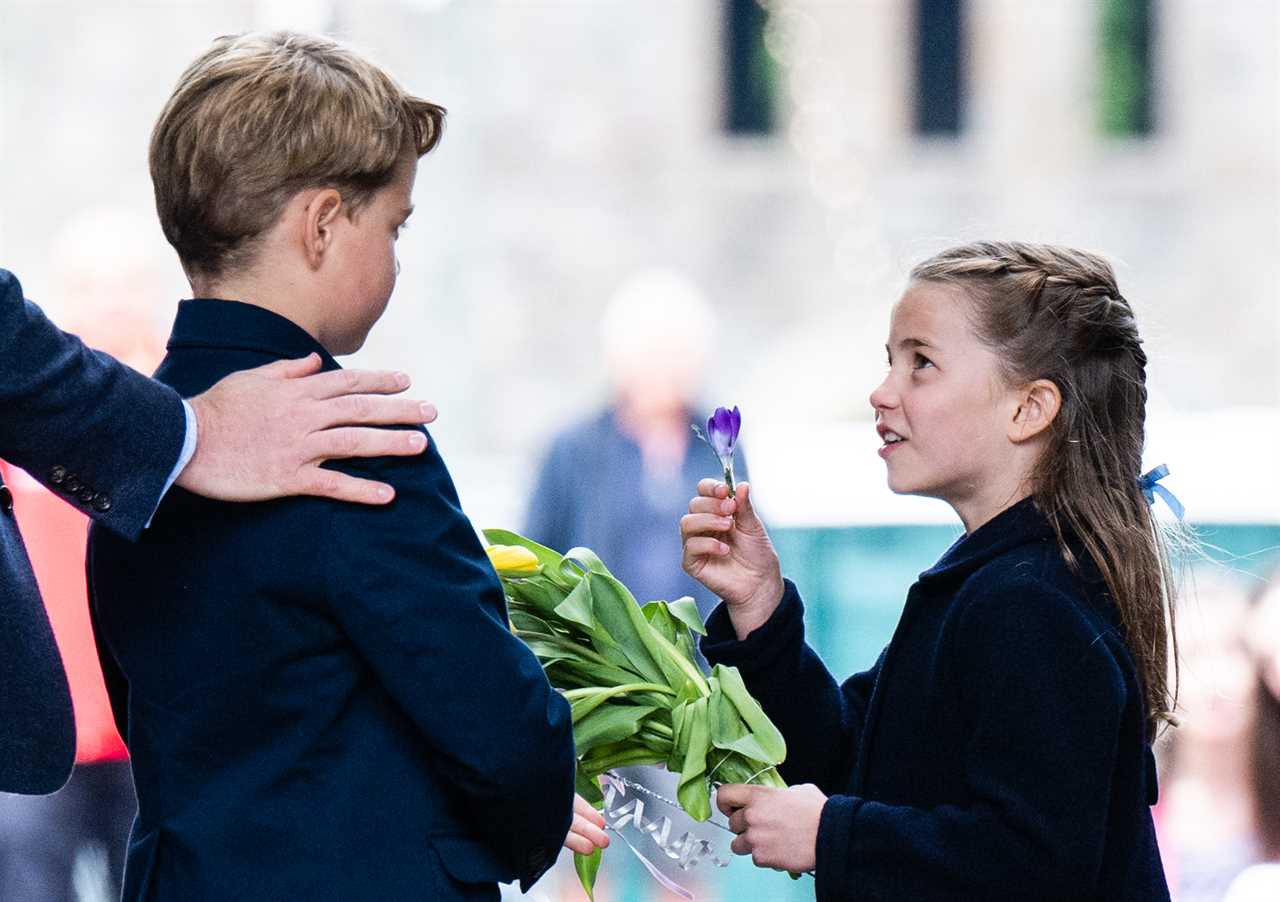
x=1043 y=699
x=778 y=667
x=97 y=433
x=413 y=588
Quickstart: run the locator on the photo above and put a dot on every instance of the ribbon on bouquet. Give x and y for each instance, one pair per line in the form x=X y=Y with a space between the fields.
x=686 y=850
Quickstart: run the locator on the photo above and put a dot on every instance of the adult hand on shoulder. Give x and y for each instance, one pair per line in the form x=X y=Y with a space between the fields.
x=263 y=433
x=586 y=834
x=727 y=549
x=778 y=828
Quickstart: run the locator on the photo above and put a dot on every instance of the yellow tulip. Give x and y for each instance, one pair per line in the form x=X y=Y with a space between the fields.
x=512 y=559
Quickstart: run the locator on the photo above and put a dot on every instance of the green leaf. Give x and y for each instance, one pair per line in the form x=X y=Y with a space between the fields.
x=584 y=701
x=619 y=616
x=619 y=754
x=587 y=867
x=660 y=619
x=530 y=623
x=610 y=723
x=588 y=787
x=766 y=735
x=578 y=607
x=686 y=611
x=693 y=793
x=588 y=559
x=536 y=592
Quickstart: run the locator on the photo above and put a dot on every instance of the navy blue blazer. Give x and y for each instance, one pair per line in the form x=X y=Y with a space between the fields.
x=996 y=750
x=322 y=701
x=103 y=437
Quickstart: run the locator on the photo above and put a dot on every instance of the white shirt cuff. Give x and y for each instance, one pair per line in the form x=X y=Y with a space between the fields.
x=184 y=458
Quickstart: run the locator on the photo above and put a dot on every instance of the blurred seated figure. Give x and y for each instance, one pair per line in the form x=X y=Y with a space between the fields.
x=1261 y=882
x=618 y=482
x=1205 y=816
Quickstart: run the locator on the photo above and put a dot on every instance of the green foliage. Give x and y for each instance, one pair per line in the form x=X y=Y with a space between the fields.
x=632 y=681
x=587 y=867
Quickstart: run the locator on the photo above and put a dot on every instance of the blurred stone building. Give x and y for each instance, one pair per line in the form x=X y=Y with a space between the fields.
x=792 y=156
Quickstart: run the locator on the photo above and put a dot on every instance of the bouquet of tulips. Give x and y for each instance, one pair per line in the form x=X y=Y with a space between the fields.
x=631 y=677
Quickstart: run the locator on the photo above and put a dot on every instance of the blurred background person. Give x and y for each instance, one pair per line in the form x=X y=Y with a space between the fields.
x=1205 y=819
x=1261 y=882
x=616 y=481
x=70 y=845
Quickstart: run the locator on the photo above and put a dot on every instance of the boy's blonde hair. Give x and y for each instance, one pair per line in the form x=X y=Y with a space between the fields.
x=257 y=118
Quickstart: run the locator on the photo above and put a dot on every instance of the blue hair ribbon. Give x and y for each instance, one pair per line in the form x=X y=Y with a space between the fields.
x=1150 y=485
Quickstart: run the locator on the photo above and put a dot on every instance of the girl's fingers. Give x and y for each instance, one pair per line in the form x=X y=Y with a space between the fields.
x=713 y=488
x=582 y=807
x=702 y=546
x=704 y=524
x=585 y=837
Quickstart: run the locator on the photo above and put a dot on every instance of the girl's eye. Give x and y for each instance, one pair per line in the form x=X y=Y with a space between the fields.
x=922 y=361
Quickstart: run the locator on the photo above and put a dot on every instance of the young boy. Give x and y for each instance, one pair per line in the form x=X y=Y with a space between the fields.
x=322 y=701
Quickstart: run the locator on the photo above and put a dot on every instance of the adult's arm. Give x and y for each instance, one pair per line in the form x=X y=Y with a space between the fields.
x=107 y=439
x=779 y=667
x=414 y=590
x=101 y=435
x=1044 y=698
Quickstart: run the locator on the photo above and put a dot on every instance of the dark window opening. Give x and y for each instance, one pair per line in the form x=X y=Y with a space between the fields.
x=940 y=66
x=1125 y=67
x=750 y=72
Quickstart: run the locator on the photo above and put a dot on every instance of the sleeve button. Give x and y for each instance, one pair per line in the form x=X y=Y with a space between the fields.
x=102 y=504
x=57 y=475
x=87 y=495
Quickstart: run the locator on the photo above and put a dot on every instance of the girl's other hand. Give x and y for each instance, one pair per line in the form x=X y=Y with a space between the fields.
x=727 y=549
x=586 y=833
x=778 y=828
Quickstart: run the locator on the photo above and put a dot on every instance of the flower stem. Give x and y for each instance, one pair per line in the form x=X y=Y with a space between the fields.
x=728 y=480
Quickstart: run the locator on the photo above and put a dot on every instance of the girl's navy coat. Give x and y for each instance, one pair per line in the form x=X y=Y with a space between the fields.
x=996 y=750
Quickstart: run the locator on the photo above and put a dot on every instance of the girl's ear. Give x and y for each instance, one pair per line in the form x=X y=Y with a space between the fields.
x=1038 y=404
x=319 y=218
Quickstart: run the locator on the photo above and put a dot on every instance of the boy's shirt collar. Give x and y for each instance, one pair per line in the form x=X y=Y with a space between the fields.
x=214 y=323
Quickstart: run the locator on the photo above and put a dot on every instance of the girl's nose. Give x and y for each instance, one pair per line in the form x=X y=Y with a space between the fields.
x=884 y=397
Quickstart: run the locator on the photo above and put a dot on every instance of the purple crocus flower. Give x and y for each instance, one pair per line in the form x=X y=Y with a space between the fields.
x=722 y=436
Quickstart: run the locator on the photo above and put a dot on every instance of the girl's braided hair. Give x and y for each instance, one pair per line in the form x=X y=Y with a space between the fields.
x=1056 y=313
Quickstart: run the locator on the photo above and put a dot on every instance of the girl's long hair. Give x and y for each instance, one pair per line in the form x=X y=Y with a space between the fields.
x=1056 y=313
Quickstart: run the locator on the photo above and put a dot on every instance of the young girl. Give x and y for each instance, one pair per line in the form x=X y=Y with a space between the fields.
x=1000 y=748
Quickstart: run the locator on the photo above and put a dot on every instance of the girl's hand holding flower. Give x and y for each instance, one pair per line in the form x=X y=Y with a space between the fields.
x=727 y=549
x=778 y=828
x=586 y=833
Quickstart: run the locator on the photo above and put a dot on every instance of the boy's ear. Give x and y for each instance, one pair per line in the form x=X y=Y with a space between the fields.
x=1038 y=405
x=319 y=217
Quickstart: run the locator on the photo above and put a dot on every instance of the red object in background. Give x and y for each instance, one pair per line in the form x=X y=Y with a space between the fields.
x=55 y=534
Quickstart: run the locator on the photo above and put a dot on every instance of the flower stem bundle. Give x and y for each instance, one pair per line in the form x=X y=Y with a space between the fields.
x=631 y=677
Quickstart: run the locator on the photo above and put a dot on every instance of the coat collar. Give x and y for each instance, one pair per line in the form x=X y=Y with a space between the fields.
x=1021 y=524
x=212 y=323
